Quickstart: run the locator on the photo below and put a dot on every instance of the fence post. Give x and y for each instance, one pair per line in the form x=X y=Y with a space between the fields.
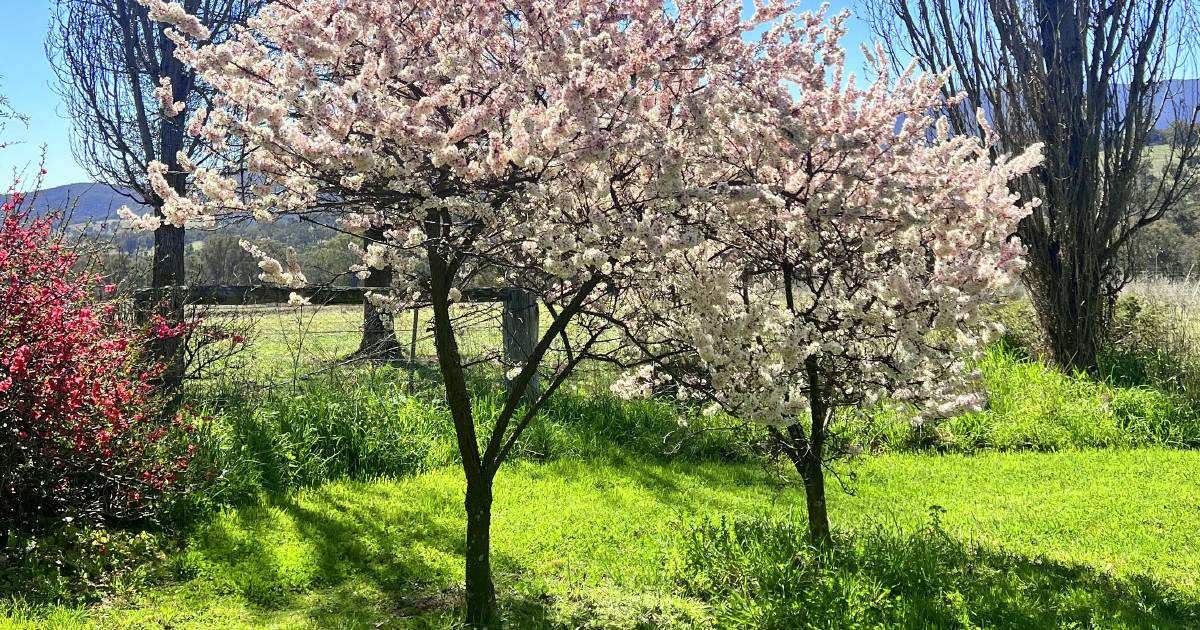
x=520 y=329
x=143 y=304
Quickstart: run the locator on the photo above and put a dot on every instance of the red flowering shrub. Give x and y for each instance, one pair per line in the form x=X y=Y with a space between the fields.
x=80 y=433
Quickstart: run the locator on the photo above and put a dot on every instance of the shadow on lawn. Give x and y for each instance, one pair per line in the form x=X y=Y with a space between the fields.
x=759 y=573
x=390 y=554
x=355 y=554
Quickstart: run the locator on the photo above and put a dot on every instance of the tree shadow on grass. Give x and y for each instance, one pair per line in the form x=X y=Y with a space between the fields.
x=761 y=574
x=353 y=553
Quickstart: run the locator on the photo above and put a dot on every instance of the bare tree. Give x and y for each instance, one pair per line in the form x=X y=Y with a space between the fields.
x=110 y=57
x=1092 y=80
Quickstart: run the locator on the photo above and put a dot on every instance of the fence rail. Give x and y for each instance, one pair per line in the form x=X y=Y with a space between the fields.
x=245 y=295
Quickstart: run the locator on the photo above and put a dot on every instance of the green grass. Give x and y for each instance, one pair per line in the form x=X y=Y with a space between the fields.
x=284 y=341
x=1081 y=537
x=366 y=424
x=1033 y=406
x=615 y=514
x=758 y=574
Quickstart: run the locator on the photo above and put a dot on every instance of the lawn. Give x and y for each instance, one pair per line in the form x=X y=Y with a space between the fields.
x=616 y=516
x=1089 y=538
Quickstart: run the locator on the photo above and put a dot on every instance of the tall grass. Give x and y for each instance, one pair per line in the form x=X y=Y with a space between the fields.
x=1034 y=406
x=366 y=424
x=1156 y=337
x=1147 y=391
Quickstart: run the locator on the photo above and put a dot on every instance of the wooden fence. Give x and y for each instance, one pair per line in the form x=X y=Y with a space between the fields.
x=519 y=321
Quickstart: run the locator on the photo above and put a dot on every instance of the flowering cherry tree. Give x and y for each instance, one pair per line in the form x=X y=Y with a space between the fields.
x=845 y=265
x=543 y=143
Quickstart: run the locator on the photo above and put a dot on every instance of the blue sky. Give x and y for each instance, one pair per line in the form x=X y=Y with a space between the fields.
x=27 y=79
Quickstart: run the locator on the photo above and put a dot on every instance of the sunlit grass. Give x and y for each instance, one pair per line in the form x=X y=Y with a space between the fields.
x=604 y=543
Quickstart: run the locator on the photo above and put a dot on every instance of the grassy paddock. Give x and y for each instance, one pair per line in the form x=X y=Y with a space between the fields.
x=1106 y=538
x=286 y=340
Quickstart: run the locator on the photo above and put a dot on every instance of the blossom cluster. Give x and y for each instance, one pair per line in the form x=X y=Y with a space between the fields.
x=544 y=136
x=853 y=248
x=273 y=271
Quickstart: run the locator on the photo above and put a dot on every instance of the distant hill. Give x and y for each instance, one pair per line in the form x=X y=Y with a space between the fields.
x=96 y=205
x=85 y=202
x=1177 y=99
x=1185 y=97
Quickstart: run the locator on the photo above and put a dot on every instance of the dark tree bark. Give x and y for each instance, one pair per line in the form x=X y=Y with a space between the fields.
x=379 y=341
x=520 y=407
x=169 y=242
x=1091 y=80
x=807 y=452
x=812 y=465
x=481 y=592
x=167 y=278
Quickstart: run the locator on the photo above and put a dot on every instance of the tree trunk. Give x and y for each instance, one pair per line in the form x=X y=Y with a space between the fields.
x=1073 y=306
x=481 y=592
x=168 y=273
x=379 y=331
x=807 y=454
x=169 y=239
x=811 y=470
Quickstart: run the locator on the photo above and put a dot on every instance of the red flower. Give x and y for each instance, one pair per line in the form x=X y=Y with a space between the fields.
x=75 y=398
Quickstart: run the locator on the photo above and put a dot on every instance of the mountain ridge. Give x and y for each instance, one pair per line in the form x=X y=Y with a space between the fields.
x=85 y=202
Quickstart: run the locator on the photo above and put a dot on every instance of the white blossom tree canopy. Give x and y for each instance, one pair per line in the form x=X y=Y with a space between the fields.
x=542 y=135
x=849 y=246
x=855 y=235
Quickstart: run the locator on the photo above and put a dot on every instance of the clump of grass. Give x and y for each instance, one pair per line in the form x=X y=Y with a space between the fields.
x=78 y=564
x=358 y=425
x=1154 y=342
x=1033 y=405
x=760 y=573
x=582 y=425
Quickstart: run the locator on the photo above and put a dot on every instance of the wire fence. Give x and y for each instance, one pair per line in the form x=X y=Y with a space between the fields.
x=270 y=343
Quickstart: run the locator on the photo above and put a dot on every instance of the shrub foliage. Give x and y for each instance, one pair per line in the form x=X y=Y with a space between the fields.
x=81 y=435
